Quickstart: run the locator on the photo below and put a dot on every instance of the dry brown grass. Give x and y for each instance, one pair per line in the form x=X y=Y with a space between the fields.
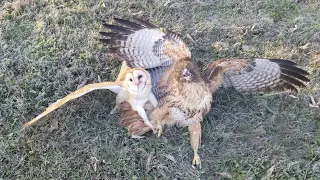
x=14 y=8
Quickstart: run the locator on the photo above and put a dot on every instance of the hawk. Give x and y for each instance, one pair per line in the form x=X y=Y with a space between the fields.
x=183 y=91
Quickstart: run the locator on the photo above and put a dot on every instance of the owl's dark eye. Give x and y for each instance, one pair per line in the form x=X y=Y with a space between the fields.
x=140 y=76
x=130 y=79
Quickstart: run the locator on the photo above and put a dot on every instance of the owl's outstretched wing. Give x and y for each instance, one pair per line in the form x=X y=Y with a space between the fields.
x=113 y=86
x=259 y=75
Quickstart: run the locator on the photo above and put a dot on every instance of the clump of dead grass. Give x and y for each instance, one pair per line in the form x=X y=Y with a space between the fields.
x=15 y=8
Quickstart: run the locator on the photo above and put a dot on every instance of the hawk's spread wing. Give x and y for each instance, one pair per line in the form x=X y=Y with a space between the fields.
x=259 y=75
x=113 y=86
x=155 y=74
x=143 y=45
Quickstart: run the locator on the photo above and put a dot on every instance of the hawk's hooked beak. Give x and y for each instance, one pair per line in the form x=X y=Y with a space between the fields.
x=186 y=74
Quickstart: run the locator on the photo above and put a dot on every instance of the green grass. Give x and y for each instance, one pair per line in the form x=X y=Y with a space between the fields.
x=49 y=48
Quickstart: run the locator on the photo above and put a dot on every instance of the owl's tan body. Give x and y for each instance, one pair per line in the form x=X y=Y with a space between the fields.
x=137 y=100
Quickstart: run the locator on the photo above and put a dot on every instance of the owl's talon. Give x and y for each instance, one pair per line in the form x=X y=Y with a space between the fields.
x=136 y=136
x=151 y=126
x=196 y=162
x=154 y=131
x=114 y=110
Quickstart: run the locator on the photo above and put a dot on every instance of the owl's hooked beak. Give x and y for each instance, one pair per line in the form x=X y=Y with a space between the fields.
x=137 y=83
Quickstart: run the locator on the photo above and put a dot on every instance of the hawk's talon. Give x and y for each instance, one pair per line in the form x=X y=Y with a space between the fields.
x=196 y=162
x=160 y=130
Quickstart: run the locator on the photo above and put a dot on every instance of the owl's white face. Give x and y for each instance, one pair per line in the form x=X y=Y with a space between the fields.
x=136 y=80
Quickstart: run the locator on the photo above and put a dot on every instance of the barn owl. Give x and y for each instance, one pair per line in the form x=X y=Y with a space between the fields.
x=133 y=86
x=184 y=95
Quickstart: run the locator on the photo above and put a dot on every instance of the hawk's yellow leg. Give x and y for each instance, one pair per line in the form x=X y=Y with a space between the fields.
x=195 y=140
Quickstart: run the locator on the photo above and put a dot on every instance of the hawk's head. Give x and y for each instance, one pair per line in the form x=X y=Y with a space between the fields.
x=189 y=73
x=186 y=74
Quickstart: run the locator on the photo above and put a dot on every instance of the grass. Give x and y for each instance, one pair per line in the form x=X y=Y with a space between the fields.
x=48 y=48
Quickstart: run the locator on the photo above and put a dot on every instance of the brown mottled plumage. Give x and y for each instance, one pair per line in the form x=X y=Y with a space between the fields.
x=184 y=96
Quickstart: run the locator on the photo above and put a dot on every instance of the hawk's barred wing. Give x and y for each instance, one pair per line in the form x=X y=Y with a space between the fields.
x=142 y=44
x=155 y=74
x=113 y=86
x=259 y=75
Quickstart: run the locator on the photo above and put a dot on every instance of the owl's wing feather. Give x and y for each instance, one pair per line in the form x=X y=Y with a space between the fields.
x=259 y=75
x=144 y=45
x=113 y=86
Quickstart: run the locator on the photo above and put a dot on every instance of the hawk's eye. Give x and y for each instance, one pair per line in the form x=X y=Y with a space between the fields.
x=140 y=76
x=130 y=79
